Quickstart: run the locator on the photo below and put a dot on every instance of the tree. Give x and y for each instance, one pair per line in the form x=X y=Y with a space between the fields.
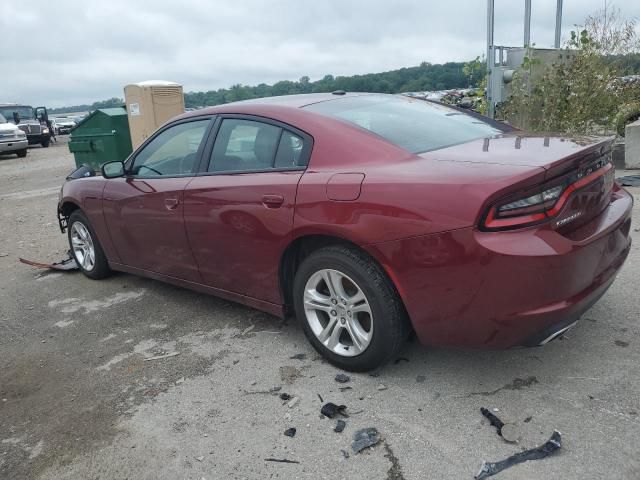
x=581 y=92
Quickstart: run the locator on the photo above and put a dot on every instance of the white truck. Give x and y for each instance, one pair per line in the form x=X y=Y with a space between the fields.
x=12 y=139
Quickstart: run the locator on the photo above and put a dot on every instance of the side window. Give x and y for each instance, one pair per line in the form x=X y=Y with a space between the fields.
x=289 y=151
x=173 y=152
x=244 y=145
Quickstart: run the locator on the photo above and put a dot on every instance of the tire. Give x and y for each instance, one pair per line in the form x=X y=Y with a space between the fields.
x=77 y=224
x=385 y=323
x=22 y=153
x=45 y=142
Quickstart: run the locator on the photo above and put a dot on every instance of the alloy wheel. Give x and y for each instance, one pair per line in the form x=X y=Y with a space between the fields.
x=338 y=312
x=82 y=245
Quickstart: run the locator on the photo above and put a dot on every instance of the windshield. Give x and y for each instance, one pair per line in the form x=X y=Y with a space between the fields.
x=24 y=112
x=414 y=125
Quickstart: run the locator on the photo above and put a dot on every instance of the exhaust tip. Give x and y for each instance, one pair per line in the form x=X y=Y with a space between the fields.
x=557 y=334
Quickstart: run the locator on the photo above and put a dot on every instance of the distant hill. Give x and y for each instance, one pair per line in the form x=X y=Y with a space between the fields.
x=426 y=76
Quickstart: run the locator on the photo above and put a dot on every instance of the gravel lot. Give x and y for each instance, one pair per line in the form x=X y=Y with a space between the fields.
x=80 y=399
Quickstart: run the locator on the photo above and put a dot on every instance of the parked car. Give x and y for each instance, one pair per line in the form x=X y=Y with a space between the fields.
x=63 y=125
x=12 y=139
x=366 y=216
x=32 y=121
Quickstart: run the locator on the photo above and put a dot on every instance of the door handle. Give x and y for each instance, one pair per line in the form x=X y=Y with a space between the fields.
x=272 y=201
x=171 y=203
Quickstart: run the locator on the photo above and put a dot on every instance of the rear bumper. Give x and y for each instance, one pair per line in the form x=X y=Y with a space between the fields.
x=468 y=288
x=13 y=146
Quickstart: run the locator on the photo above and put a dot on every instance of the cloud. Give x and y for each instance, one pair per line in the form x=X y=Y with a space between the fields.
x=70 y=52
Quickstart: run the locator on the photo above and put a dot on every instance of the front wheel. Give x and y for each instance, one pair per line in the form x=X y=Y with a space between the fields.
x=349 y=309
x=22 y=153
x=86 y=248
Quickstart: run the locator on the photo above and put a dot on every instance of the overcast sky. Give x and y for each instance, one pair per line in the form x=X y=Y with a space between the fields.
x=77 y=51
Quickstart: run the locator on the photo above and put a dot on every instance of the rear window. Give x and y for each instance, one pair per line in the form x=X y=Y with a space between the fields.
x=414 y=125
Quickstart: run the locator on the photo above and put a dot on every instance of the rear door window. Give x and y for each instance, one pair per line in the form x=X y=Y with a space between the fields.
x=243 y=145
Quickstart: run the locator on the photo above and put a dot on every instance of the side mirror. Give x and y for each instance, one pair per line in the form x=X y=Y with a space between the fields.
x=112 y=169
x=16 y=118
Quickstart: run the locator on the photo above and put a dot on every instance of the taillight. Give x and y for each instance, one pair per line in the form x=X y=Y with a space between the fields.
x=537 y=206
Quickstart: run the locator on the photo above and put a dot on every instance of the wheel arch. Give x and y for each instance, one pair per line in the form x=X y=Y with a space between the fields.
x=303 y=246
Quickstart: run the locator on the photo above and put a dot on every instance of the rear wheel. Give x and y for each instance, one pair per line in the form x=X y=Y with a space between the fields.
x=86 y=248
x=22 y=153
x=349 y=310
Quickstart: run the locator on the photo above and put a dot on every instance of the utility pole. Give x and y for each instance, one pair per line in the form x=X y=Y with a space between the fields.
x=558 y=23
x=527 y=23
x=490 y=58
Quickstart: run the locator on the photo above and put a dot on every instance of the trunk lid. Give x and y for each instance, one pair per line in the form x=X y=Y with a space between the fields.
x=584 y=162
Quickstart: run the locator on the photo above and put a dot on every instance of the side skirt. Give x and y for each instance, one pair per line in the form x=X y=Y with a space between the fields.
x=272 y=308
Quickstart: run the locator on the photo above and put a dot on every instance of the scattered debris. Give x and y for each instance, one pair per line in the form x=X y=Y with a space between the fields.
x=293 y=402
x=400 y=359
x=280 y=460
x=374 y=374
x=275 y=389
x=621 y=343
x=345 y=454
x=528 y=419
x=489 y=469
x=340 y=424
x=629 y=181
x=199 y=458
x=420 y=379
x=382 y=387
x=320 y=398
x=495 y=421
x=285 y=397
x=508 y=431
x=365 y=438
x=180 y=380
x=4 y=254
x=298 y=356
x=330 y=410
x=342 y=389
x=342 y=378
x=67 y=264
x=290 y=432
x=160 y=357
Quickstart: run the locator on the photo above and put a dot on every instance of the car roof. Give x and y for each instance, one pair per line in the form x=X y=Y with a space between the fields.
x=287 y=101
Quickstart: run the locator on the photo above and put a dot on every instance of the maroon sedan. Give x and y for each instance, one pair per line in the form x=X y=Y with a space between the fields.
x=367 y=216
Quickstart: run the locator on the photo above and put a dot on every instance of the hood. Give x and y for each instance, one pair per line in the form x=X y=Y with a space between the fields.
x=8 y=128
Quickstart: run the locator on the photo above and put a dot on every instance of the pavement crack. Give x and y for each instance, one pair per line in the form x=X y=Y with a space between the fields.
x=516 y=384
x=395 y=470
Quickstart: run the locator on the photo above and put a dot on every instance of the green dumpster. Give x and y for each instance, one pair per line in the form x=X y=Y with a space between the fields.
x=101 y=137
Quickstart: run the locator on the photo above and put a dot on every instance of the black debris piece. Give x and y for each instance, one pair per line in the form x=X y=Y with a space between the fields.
x=629 y=181
x=365 y=438
x=495 y=421
x=320 y=397
x=527 y=420
x=280 y=460
x=345 y=454
x=340 y=424
x=64 y=265
x=275 y=389
x=489 y=469
x=330 y=410
x=374 y=374
x=285 y=397
x=342 y=389
x=342 y=378
x=290 y=432
x=298 y=356
x=400 y=359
